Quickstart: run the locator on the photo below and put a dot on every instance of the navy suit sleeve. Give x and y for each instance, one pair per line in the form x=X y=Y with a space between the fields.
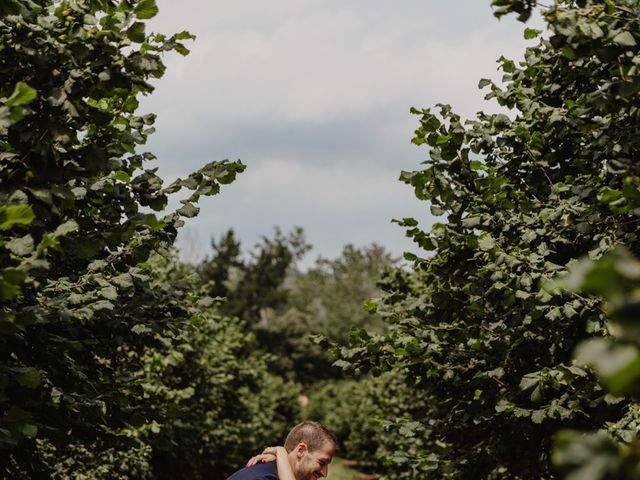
x=261 y=471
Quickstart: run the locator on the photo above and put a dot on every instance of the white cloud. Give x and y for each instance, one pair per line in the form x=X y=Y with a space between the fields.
x=314 y=96
x=326 y=60
x=319 y=189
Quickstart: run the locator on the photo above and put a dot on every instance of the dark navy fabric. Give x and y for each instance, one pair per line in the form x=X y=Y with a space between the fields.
x=261 y=471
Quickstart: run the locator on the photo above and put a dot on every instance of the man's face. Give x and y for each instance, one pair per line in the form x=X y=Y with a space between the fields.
x=314 y=464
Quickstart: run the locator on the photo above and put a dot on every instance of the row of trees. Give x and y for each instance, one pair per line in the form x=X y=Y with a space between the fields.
x=115 y=362
x=479 y=330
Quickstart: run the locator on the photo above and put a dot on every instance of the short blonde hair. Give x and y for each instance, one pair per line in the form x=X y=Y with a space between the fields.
x=313 y=434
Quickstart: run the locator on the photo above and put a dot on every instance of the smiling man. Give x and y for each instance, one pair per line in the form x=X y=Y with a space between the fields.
x=308 y=450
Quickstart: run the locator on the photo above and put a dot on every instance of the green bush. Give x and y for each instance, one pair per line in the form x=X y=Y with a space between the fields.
x=356 y=412
x=222 y=405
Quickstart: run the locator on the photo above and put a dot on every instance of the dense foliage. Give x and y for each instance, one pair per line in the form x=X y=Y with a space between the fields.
x=474 y=326
x=254 y=285
x=111 y=364
x=220 y=403
x=326 y=299
x=614 y=451
x=285 y=306
x=355 y=411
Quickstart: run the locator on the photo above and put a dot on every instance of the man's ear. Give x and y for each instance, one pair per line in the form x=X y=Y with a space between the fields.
x=301 y=449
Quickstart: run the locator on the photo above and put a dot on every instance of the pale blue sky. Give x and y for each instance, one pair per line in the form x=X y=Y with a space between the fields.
x=314 y=96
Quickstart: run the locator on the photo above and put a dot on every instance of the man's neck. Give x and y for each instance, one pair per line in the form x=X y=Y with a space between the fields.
x=294 y=463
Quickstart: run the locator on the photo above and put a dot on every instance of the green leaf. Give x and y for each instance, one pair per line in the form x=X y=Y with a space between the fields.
x=9 y=291
x=10 y=281
x=15 y=215
x=136 y=32
x=42 y=194
x=188 y=210
x=184 y=35
x=471 y=222
x=625 y=39
x=568 y=52
x=569 y=311
x=529 y=381
x=504 y=406
x=102 y=305
x=617 y=364
x=47 y=242
x=16 y=414
x=146 y=9
x=124 y=281
x=110 y=293
x=66 y=228
x=21 y=246
x=609 y=195
x=27 y=377
x=436 y=210
x=370 y=306
x=140 y=329
x=14 y=275
x=181 y=49
x=538 y=416
x=477 y=165
x=28 y=430
x=486 y=241
x=507 y=65
x=411 y=257
x=22 y=95
x=122 y=176
x=530 y=33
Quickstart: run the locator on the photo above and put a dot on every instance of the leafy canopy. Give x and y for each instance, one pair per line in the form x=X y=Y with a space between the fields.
x=84 y=311
x=523 y=194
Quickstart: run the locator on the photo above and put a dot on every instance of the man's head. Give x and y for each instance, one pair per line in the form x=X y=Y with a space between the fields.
x=311 y=447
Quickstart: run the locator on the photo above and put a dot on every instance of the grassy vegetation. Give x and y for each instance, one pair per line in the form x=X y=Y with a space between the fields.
x=339 y=471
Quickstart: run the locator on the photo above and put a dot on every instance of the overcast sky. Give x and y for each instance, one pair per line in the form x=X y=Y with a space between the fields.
x=314 y=96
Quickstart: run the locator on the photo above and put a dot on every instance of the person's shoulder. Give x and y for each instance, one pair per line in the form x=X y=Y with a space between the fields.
x=261 y=471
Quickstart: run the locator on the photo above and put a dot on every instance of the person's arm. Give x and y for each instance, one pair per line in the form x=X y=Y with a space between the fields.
x=261 y=458
x=285 y=472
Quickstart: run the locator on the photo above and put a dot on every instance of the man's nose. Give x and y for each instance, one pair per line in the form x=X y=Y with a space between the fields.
x=324 y=471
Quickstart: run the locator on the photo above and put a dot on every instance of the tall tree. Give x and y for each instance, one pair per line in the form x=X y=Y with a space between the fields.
x=226 y=259
x=524 y=194
x=79 y=307
x=256 y=284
